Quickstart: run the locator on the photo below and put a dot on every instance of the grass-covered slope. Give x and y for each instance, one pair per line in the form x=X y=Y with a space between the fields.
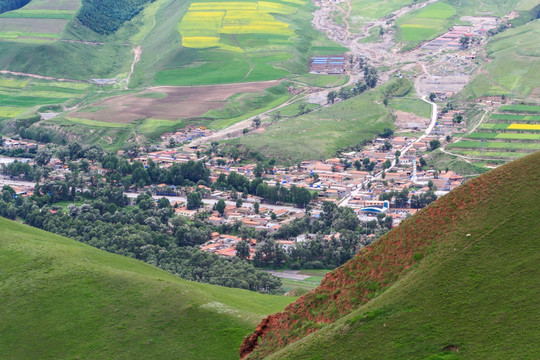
x=462 y=274
x=65 y=300
x=513 y=68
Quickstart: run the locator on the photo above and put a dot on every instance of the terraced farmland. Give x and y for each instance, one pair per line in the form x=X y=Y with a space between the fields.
x=242 y=41
x=39 y=21
x=18 y=96
x=505 y=135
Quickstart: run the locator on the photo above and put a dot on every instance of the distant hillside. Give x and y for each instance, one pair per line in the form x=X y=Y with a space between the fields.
x=65 y=300
x=459 y=277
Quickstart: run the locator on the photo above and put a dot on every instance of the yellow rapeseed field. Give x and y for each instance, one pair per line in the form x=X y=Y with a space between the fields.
x=524 y=127
x=204 y=22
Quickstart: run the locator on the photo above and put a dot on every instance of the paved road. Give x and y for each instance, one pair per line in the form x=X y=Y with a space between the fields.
x=213 y=201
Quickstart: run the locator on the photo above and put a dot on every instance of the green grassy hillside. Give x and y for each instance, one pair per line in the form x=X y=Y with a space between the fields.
x=513 y=68
x=460 y=276
x=65 y=300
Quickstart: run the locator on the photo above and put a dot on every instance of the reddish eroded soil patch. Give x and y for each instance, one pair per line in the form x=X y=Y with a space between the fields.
x=180 y=102
x=379 y=266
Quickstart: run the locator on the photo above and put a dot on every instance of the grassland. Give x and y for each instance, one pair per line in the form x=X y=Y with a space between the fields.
x=495 y=145
x=514 y=67
x=447 y=305
x=411 y=105
x=75 y=301
x=319 y=134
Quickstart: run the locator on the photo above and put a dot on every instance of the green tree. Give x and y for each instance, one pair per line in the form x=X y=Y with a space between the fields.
x=331 y=97
x=239 y=202
x=194 y=201
x=220 y=206
x=256 y=207
x=242 y=250
x=434 y=144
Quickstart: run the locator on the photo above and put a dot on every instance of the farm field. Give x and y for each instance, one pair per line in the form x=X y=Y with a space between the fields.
x=512 y=118
x=117 y=307
x=520 y=109
x=229 y=42
x=514 y=69
x=503 y=136
x=495 y=145
x=507 y=126
x=367 y=10
x=167 y=102
x=18 y=96
x=40 y=20
x=424 y=24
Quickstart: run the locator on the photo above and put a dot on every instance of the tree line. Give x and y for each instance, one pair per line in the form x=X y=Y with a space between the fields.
x=107 y=16
x=8 y=5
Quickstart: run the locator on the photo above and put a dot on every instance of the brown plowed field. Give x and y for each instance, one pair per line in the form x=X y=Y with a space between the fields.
x=167 y=102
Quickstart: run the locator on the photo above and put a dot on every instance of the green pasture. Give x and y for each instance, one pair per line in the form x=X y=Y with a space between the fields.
x=441 y=161
x=293 y=109
x=513 y=69
x=75 y=301
x=411 y=105
x=319 y=134
x=491 y=154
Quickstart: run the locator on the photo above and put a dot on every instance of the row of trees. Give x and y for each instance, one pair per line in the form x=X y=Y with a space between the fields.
x=301 y=197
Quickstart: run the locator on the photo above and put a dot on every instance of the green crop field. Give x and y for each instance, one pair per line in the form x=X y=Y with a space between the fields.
x=424 y=24
x=368 y=10
x=494 y=145
x=512 y=117
x=18 y=96
x=514 y=69
x=503 y=136
x=520 y=109
x=75 y=301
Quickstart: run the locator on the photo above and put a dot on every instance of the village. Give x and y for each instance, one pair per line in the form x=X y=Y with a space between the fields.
x=386 y=179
